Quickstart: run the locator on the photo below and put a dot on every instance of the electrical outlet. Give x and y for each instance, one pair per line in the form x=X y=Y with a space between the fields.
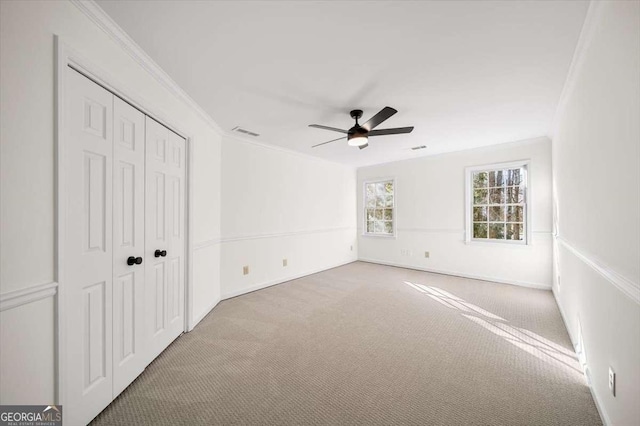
x=612 y=381
x=284 y=262
x=245 y=270
x=351 y=248
x=426 y=254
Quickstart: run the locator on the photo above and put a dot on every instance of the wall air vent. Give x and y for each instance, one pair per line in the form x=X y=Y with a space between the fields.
x=244 y=131
x=415 y=148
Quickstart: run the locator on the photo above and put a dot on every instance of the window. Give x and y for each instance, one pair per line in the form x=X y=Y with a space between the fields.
x=497 y=203
x=379 y=208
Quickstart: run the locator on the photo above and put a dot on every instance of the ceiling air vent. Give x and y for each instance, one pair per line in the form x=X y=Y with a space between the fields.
x=415 y=148
x=244 y=131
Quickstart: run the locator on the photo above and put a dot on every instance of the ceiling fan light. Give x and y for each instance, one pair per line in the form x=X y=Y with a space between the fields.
x=358 y=140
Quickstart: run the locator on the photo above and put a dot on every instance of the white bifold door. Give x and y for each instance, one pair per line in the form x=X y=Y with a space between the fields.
x=123 y=244
x=165 y=240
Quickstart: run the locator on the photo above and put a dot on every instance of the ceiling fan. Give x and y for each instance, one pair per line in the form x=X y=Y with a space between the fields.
x=359 y=135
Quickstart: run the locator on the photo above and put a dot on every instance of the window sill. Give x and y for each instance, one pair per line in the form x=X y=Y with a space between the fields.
x=498 y=243
x=385 y=236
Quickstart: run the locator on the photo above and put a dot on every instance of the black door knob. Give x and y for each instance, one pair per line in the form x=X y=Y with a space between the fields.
x=134 y=260
x=159 y=253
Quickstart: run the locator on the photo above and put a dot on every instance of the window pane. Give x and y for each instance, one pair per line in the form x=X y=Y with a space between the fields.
x=513 y=177
x=379 y=226
x=496 y=178
x=479 y=230
x=515 y=214
x=496 y=231
x=380 y=188
x=370 y=214
x=370 y=226
x=380 y=201
x=479 y=214
x=371 y=202
x=496 y=196
x=515 y=231
x=515 y=194
x=480 y=179
x=388 y=188
x=496 y=214
x=480 y=196
x=388 y=214
x=378 y=214
x=370 y=190
x=389 y=201
x=388 y=227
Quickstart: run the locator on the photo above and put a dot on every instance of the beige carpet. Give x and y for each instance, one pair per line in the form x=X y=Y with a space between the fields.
x=366 y=344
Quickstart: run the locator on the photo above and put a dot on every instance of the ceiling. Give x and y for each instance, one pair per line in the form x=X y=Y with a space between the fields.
x=464 y=73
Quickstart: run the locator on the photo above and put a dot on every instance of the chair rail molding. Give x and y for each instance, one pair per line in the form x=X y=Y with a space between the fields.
x=23 y=296
x=284 y=234
x=206 y=243
x=622 y=283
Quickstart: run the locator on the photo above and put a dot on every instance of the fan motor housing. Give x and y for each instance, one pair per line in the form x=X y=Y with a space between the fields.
x=356 y=114
x=357 y=131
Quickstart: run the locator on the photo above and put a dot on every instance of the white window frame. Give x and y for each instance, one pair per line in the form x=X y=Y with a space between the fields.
x=364 y=208
x=468 y=204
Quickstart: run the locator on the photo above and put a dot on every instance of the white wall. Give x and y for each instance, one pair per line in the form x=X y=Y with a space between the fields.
x=27 y=339
x=430 y=216
x=277 y=205
x=596 y=158
x=27 y=178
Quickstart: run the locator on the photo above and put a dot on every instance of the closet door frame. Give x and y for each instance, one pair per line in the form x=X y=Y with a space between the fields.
x=67 y=56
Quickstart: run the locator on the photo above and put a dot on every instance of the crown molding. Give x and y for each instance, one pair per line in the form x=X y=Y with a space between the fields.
x=103 y=21
x=242 y=139
x=476 y=149
x=584 y=40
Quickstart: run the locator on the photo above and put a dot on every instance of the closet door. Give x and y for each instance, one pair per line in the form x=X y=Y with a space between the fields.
x=87 y=261
x=177 y=239
x=129 y=357
x=165 y=240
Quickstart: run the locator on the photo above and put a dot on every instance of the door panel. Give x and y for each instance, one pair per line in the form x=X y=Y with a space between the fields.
x=177 y=241
x=129 y=357
x=164 y=222
x=87 y=261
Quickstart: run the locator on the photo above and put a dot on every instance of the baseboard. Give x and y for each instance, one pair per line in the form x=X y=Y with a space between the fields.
x=537 y=286
x=603 y=414
x=204 y=313
x=276 y=281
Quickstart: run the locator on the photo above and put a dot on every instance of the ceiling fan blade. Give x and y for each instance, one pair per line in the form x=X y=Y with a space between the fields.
x=394 y=131
x=318 y=126
x=377 y=119
x=364 y=146
x=323 y=143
